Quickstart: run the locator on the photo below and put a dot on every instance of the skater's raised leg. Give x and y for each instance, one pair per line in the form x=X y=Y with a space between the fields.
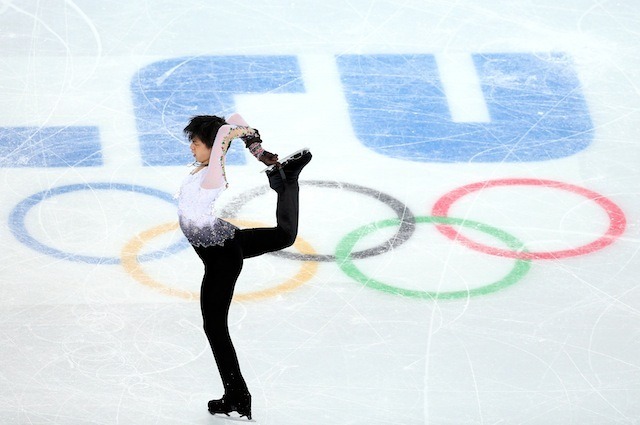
x=284 y=181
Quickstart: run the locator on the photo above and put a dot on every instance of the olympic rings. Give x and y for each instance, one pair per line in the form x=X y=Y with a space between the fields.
x=129 y=256
x=617 y=220
x=520 y=268
x=19 y=230
x=404 y=214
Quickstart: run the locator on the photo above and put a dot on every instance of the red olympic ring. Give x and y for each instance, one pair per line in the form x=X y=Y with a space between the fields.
x=617 y=220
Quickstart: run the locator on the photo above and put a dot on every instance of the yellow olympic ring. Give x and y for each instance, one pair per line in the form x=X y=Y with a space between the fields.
x=131 y=250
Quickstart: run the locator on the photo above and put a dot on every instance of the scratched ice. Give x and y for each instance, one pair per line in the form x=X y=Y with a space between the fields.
x=468 y=247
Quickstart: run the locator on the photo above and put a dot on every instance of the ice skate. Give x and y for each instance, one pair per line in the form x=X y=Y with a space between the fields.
x=240 y=403
x=291 y=159
x=288 y=170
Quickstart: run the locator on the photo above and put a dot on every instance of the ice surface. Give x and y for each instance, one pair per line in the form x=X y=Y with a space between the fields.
x=402 y=103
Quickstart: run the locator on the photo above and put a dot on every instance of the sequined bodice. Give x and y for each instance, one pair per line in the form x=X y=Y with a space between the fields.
x=196 y=213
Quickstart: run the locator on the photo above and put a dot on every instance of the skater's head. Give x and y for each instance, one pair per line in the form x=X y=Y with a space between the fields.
x=204 y=128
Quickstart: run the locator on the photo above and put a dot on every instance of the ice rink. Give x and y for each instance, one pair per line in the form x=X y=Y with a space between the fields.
x=469 y=239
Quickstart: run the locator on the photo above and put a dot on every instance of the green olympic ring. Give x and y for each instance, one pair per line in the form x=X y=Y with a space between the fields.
x=345 y=262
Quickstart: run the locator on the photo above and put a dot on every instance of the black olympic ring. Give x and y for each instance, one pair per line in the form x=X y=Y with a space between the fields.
x=406 y=217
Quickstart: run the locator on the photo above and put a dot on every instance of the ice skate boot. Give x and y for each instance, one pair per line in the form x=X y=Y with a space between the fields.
x=232 y=402
x=294 y=163
x=288 y=170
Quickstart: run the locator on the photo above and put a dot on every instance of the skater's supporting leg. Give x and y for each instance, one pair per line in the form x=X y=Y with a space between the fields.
x=222 y=268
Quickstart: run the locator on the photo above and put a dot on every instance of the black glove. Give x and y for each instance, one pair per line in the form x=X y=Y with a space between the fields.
x=268 y=158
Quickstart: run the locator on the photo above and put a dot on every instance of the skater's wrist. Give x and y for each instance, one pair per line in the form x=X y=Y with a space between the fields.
x=250 y=136
x=256 y=150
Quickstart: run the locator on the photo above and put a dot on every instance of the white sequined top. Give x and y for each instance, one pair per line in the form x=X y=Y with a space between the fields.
x=197 y=215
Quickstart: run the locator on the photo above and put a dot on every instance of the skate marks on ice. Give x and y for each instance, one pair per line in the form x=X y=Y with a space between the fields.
x=558 y=347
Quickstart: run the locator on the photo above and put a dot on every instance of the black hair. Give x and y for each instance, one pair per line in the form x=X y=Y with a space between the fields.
x=205 y=127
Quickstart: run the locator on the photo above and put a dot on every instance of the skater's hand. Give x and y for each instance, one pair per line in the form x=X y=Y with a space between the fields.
x=268 y=158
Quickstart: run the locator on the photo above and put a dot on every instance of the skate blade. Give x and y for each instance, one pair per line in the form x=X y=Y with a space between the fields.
x=295 y=155
x=240 y=419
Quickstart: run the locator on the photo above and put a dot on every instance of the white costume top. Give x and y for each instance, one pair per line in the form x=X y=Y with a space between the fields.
x=196 y=213
x=199 y=192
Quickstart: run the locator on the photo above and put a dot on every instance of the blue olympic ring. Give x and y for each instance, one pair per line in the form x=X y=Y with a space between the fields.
x=19 y=229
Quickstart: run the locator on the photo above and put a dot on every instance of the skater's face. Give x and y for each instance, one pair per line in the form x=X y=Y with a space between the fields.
x=200 y=151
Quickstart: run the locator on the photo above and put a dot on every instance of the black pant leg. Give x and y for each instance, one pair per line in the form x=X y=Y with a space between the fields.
x=261 y=240
x=222 y=268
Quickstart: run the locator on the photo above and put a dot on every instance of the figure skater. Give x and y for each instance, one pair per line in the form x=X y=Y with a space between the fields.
x=221 y=246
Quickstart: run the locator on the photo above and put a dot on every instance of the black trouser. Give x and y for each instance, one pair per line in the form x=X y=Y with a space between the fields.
x=222 y=266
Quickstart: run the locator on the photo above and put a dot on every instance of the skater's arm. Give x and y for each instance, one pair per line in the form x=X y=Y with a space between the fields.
x=253 y=142
x=215 y=176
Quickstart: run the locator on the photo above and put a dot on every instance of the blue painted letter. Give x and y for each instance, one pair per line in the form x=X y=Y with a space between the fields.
x=398 y=108
x=167 y=93
x=50 y=147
